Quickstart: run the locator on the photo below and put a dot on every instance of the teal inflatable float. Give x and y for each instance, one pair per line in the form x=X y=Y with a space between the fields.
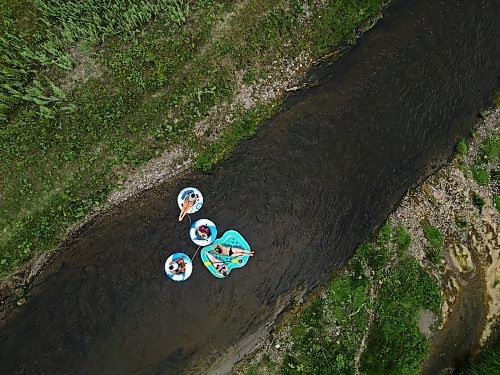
x=226 y=253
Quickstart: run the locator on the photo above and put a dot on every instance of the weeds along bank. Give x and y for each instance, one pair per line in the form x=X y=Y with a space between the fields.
x=383 y=311
x=100 y=100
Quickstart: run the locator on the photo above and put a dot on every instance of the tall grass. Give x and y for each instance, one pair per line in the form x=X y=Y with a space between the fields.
x=487 y=363
x=29 y=54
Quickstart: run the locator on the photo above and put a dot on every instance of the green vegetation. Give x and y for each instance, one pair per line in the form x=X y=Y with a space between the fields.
x=478 y=201
x=490 y=149
x=495 y=175
x=496 y=200
x=436 y=239
x=395 y=345
x=327 y=332
x=487 y=363
x=462 y=147
x=344 y=314
x=91 y=90
x=461 y=222
x=244 y=127
x=481 y=175
x=433 y=235
x=403 y=240
x=488 y=157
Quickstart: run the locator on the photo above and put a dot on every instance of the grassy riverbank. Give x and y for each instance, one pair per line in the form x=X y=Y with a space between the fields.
x=364 y=320
x=91 y=92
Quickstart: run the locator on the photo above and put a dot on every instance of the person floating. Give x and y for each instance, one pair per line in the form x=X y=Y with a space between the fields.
x=189 y=201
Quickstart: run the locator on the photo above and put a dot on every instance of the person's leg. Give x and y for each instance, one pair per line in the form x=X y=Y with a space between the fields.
x=241 y=252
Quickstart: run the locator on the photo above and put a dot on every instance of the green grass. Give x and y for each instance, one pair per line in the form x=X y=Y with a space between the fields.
x=490 y=148
x=395 y=344
x=496 y=201
x=434 y=236
x=243 y=127
x=403 y=240
x=315 y=351
x=152 y=70
x=39 y=33
x=487 y=159
x=327 y=332
x=487 y=363
x=462 y=147
x=481 y=175
x=436 y=240
x=378 y=252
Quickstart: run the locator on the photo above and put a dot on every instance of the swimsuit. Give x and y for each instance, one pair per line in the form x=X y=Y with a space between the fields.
x=218 y=250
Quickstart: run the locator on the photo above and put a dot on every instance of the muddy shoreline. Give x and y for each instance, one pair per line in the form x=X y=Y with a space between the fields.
x=107 y=291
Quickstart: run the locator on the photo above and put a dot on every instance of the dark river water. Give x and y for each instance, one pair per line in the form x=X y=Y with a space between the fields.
x=316 y=180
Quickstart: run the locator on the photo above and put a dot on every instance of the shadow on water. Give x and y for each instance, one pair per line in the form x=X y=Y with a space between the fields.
x=315 y=181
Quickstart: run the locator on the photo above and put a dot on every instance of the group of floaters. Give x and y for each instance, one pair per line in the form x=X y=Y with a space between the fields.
x=219 y=255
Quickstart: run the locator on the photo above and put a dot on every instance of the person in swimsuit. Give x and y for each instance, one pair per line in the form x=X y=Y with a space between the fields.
x=203 y=232
x=231 y=251
x=219 y=265
x=190 y=198
x=177 y=266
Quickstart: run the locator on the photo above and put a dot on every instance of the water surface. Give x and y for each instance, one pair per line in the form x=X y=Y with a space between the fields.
x=316 y=180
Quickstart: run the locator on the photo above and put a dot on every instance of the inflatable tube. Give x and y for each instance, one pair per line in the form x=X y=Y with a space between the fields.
x=203 y=232
x=189 y=201
x=178 y=267
x=225 y=254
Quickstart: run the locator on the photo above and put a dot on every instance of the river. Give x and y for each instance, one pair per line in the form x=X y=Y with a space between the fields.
x=315 y=181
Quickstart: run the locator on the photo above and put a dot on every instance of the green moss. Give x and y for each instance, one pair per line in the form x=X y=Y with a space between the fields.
x=434 y=236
